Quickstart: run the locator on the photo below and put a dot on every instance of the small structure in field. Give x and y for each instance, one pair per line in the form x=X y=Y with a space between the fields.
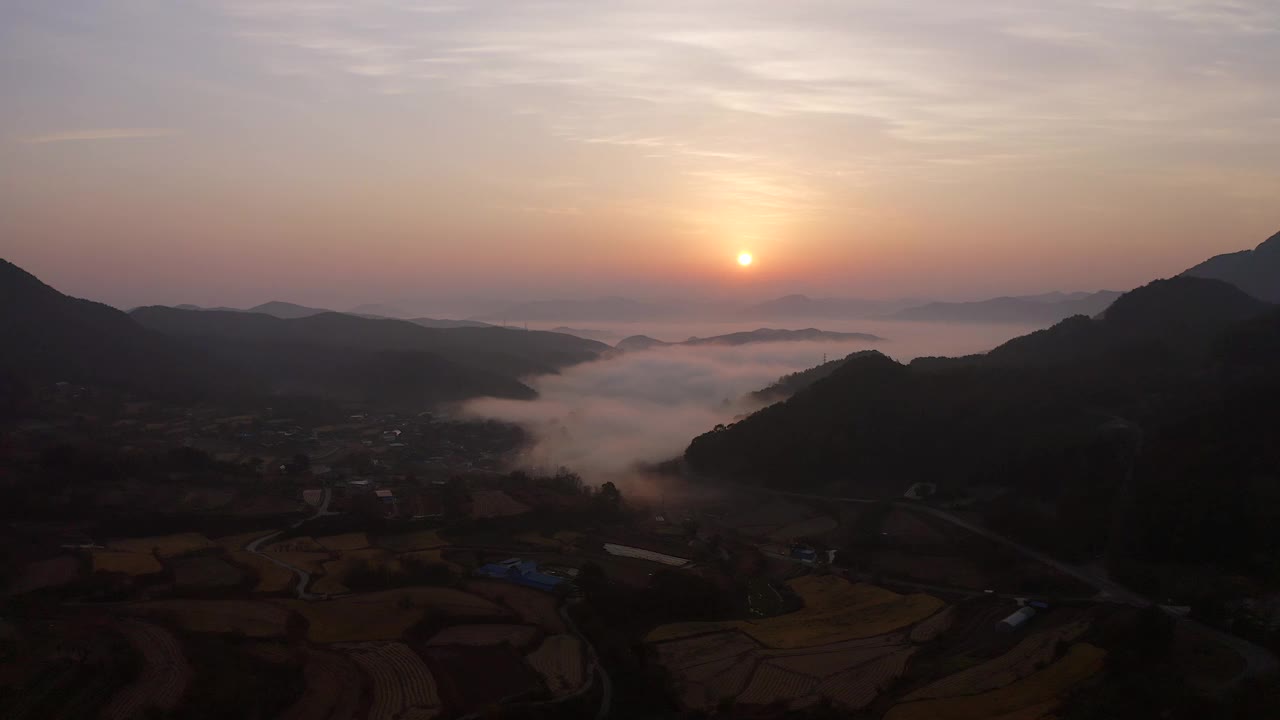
x=1016 y=620
x=520 y=572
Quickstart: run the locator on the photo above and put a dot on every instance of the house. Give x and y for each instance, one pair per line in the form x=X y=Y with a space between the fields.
x=1016 y=620
x=520 y=572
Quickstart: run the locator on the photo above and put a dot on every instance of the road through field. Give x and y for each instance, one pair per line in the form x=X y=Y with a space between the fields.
x=304 y=577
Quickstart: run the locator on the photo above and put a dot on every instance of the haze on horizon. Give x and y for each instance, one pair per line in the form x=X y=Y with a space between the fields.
x=228 y=152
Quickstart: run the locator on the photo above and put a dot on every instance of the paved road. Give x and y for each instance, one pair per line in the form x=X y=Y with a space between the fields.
x=304 y=577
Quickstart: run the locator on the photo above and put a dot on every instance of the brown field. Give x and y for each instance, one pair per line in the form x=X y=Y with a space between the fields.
x=164 y=677
x=334 y=689
x=952 y=570
x=474 y=679
x=420 y=540
x=690 y=651
x=908 y=528
x=858 y=687
x=253 y=619
x=271 y=577
x=401 y=681
x=234 y=543
x=1035 y=693
x=129 y=563
x=495 y=503
x=532 y=606
x=385 y=615
x=335 y=571
x=821 y=665
x=203 y=572
x=295 y=545
x=770 y=684
x=834 y=610
x=517 y=636
x=1029 y=655
x=931 y=628
x=347 y=541
x=41 y=574
x=165 y=546
x=560 y=662
x=312 y=562
x=434 y=557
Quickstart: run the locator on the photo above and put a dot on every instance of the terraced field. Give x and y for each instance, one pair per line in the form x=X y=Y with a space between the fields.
x=271 y=577
x=517 y=636
x=166 y=546
x=828 y=650
x=833 y=611
x=385 y=615
x=934 y=626
x=334 y=689
x=406 y=542
x=336 y=571
x=1029 y=698
x=163 y=679
x=127 y=563
x=401 y=681
x=1032 y=653
x=347 y=541
x=252 y=619
x=531 y=606
x=560 y=662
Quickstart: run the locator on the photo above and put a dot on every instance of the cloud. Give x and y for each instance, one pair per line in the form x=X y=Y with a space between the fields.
x=99 y=134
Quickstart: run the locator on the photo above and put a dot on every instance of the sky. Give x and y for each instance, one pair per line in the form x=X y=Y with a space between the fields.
x=229 y=152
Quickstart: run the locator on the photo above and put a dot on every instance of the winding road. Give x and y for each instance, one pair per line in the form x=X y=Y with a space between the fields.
x=304 y=577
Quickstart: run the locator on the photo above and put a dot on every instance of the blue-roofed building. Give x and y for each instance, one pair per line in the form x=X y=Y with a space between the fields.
x=520 y=572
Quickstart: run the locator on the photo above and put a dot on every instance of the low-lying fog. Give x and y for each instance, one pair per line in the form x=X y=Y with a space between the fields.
x=601 y=418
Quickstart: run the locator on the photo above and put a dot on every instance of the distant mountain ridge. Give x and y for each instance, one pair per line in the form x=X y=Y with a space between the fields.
x=761 y=335
x=615 y=309
x=1035 y=309
x=1256 y=271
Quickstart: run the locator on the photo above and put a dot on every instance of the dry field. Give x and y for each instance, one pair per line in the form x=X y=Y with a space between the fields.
x=163 y=679
x=858 y=687
x=517 y=636
x=346 y=541
x=495 y=503
x=253 y=619
x=813 y=527
x=401 y=681
x=434 y=557
x=931 y=628
x=1029 y=697
x=129 y=563
x=420 y=540
x=203 y=572
x=385 y=615
x=165 y=546
x=532 y=606
x=559 y=661
x=271 y=577
x=336 y=571
x=41 y=574
x=312 y=562
x=334 y=688
x=834 y=610
x=1029 y=655
x=908 y=528
x=234 y=543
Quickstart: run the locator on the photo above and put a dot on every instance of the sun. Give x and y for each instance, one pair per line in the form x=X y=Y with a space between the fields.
x=744 y=259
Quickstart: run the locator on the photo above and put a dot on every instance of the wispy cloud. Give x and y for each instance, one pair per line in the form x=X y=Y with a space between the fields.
x=98 y=134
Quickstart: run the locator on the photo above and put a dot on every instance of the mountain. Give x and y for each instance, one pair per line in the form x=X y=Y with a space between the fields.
x=803 y=306
x=437 y=323
x=608 y=309
x=1105 y=435
x=1032 y=310
x=601 y=335
x=761 y=335
x=490 y=349
x=285 y=310
x=50 y=337
x=377 y=310
x=788 y=385
x=1256 y=271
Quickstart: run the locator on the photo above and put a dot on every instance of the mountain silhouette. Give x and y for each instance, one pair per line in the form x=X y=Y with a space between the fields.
x=1256 y=271
x=1035 y=309
x=761 y=335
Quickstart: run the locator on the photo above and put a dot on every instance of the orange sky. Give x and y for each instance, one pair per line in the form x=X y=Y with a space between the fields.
x=229 y=152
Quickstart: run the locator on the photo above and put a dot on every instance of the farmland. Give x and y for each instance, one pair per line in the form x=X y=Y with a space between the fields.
x=164 y=677
x=833 y=611
x=1031 y=694
x=165 y=546
x=128 y=563
x=531 y=606
x=400 y=680
x=334 y=688
x=252 y=619
x=560 y=662
x=517 y=636
x=271 y=578
x=385 y=615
